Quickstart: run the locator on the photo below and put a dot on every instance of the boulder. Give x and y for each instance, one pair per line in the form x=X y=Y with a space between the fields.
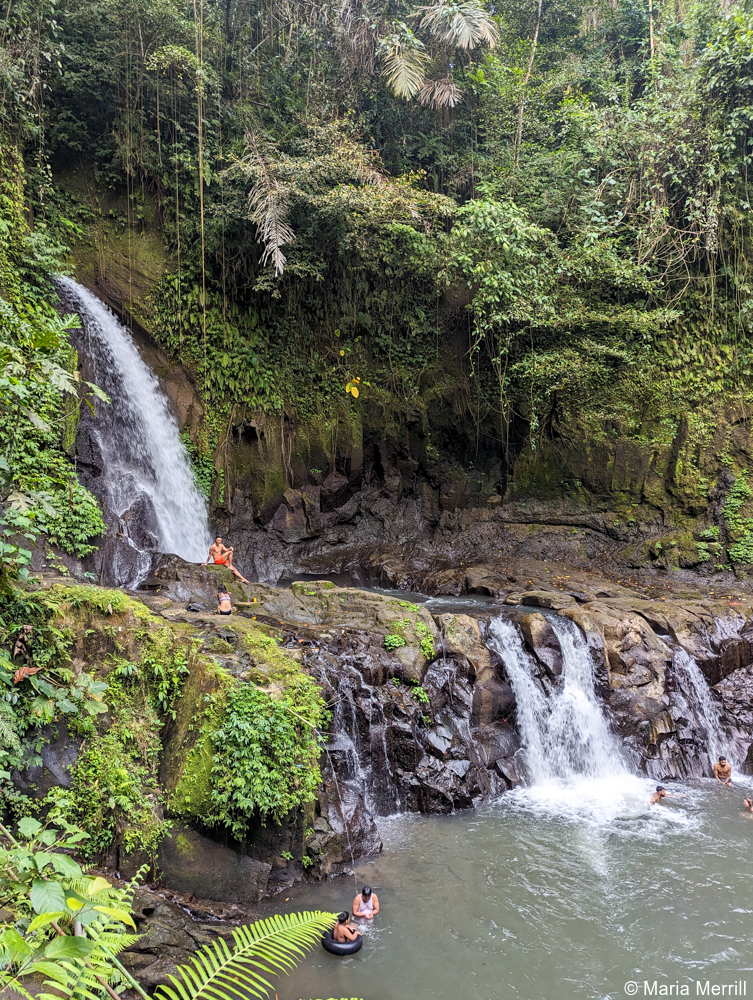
x=463 y=641
x=547 y=599
x=191 y=862
x=542 y=641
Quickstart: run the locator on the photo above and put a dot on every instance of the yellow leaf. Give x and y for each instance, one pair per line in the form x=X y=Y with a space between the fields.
x=75 y=904
x=97 y=885
x=354 y=391
x=123 y=915
x=342 y=354
x=348 y=387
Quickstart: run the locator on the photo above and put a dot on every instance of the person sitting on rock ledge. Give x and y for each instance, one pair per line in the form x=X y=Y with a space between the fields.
x=366 y=904
x=223 y=556
x=723 y=772
x=662 y=793
x=224 y=602
x=344 y=932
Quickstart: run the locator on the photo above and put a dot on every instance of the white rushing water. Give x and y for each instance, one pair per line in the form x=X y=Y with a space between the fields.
x=143 y=456
x=694 y=700
x=574 y=762
x=565 y=734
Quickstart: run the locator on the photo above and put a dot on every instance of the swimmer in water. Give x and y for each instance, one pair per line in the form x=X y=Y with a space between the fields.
x=748 y=803
x=723 y=772
x=662 y=793
x=366 y=904
x=344 y=932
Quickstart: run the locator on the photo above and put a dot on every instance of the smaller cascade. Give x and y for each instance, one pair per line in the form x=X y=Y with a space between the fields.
x=693 y=699
x=564 y=731
x=145 y=484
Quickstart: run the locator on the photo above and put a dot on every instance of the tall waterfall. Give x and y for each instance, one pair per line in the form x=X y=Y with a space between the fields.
x=146 y=481
x=564 y=732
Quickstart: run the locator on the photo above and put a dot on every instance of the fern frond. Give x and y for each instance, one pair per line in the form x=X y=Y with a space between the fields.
x=77 y=979
x=458 y=23
x=266 y=948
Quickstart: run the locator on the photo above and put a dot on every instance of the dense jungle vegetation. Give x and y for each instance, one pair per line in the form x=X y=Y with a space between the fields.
x=530 y=208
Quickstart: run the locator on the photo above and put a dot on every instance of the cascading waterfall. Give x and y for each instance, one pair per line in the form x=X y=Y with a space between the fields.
x=565 y=734
x=693 y=699
x=146 y=476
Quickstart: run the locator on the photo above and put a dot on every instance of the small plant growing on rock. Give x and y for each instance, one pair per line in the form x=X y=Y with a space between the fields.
x=427 y=642
x=420 y=695
x=396 y=681
x=393 y=642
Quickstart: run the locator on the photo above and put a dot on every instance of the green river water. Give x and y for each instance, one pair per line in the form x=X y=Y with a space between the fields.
x=554 y=892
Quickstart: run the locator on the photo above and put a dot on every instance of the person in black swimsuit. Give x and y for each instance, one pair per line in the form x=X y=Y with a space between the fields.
x=224 y=602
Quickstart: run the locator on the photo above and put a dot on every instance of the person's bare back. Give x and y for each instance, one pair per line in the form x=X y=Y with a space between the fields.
x=344 y=932
x=662 y=793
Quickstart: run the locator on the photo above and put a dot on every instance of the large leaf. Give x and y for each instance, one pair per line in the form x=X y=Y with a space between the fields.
x=117 y=914
x=68 y=948
x=97 y=885
x=403 y=64
x=13 y=946
x=267 y=948
x=29 y=827
x=43 y=919
x=64 y=865
x=47 y=897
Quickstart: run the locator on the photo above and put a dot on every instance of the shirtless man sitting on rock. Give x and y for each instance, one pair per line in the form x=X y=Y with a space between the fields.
x=223 y=556
x=723 y=772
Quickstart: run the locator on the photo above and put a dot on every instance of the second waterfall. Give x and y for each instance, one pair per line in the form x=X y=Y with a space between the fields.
x=564 y=731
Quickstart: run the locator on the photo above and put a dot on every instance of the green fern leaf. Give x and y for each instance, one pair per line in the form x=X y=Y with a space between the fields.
x=266 y=948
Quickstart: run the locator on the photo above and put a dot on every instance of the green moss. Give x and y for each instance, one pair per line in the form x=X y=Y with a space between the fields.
x=98 y=599
x=188 y=764
x=183 y=845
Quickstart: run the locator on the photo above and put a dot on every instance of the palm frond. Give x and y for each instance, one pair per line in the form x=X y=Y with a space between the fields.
x=267 y=207
x=266 y=948
x=442 y=93
x=462 y=24
x=403 y=61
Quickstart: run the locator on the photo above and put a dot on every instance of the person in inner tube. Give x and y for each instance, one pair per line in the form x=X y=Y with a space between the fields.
x=366 y=904
x=344 y=932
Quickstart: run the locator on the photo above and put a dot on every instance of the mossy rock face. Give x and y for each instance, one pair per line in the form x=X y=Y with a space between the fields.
x=187 y=759
x=122 y=263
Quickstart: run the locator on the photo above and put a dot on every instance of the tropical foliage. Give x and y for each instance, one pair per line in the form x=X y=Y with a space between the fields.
x=69 y=928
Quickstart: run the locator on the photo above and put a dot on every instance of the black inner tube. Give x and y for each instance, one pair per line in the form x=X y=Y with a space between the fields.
x=336 y=948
